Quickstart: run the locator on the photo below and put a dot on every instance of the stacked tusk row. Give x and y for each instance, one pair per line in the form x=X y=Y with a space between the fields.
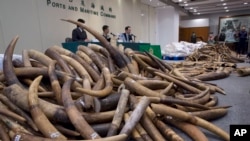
x=212 y=62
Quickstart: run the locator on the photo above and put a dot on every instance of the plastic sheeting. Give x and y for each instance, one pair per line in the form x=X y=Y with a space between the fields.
x=181 y=49
x=15 y=56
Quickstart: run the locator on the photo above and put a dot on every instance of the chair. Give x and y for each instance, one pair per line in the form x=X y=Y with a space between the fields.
x=68 y=39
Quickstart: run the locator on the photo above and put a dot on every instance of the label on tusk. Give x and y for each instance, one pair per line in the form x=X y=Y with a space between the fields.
x=82 y=102
x=17 y=138
x=169 y=117
x=94 y=135
x=121 y=87
x=78 y=79
x=54 y=135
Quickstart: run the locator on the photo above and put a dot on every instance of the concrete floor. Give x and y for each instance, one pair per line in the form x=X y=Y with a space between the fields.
x=237 y=95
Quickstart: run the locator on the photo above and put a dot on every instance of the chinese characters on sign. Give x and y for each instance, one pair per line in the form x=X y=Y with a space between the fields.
x=83 y=8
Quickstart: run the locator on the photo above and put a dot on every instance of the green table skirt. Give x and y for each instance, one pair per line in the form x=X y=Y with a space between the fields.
x=153 y=49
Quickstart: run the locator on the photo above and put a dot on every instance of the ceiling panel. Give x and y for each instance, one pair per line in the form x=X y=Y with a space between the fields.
x=202 y=6
x=161 y=4
x=153 y=3
x=212 y=6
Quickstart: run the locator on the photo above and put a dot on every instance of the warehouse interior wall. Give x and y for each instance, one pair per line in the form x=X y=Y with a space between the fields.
x=148 y=19
x=1 y=35
x=202 y=22
x=167 y=25
x=153 y=26
x=20 y=18
x=214 y=18
x=202 y=33
x=37 y=22
x=199 y=26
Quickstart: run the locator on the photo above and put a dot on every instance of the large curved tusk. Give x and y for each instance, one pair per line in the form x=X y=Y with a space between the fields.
x=100 y=93
x=74 y=115
x=26 y=137
x=8 y=69
x=42 y=122
x=166 y=110
x=56 y=87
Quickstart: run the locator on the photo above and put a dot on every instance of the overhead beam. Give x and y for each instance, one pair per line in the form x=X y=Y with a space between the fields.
x=195 y=3
x=220 y=8
x=221 y=11
x=213 y=6
x=176 y=6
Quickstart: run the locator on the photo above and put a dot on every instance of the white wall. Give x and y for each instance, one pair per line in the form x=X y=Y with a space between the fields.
x=39 y=25
x=148 y=19
x=203 y=22
x=19 y=18
x=167 y=25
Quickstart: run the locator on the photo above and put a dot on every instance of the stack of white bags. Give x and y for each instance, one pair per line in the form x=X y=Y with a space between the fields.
x=181 y=49
x=15 y=56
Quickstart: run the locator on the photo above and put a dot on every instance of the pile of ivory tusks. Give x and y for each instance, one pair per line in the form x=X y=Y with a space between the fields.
x=215 y=53
x=211 y=63
x=103 y=94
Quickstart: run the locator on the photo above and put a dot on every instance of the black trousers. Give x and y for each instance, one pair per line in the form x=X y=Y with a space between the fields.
x=242 y=46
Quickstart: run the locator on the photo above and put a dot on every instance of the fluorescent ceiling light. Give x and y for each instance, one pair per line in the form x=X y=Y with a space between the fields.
x=224 y=4
x=221 y=0
x=225 y=7
x=185 y=1
x=227 y=10
x=186 y=4
x=245 y=3
x=180 y=0
x=198 y=13
x=191 y=8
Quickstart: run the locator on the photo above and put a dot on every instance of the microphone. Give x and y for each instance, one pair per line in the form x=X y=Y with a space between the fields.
x=133 y=35
x=112 y=34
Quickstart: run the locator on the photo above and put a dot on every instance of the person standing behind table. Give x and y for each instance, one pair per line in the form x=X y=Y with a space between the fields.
x=105 y=30
x=242 y=40
x=236 y=38
x=127 y=37
x=79 y=34
x=248 y=50
x=211 y=38
x=193 y=38
x=222 y=36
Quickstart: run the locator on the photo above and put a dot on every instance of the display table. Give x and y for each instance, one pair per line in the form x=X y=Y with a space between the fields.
x=72 y=46
x=153 y=49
